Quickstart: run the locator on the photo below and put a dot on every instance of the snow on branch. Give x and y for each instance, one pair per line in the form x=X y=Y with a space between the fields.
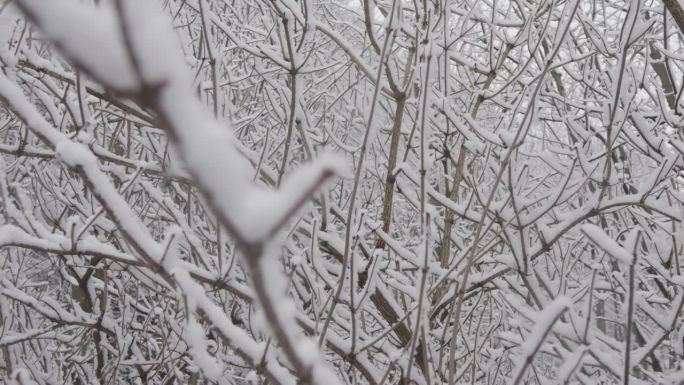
x=143 y=61
x=533 y=342
x=606 y=243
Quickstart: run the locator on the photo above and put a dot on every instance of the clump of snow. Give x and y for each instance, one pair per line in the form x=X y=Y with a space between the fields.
x=82 y=32
x=297 y=260
x=194 y=336
x=544 y=322
x=607 y=244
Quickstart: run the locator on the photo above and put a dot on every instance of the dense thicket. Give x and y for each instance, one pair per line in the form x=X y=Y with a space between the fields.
x=323 y=191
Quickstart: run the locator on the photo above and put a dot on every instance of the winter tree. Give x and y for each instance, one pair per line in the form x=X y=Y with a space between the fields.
x=341 y=192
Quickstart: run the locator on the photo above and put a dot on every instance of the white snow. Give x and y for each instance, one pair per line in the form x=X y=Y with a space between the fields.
x=607 y=244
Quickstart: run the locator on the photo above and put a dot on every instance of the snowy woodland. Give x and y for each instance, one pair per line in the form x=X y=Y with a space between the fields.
x=325 y=192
